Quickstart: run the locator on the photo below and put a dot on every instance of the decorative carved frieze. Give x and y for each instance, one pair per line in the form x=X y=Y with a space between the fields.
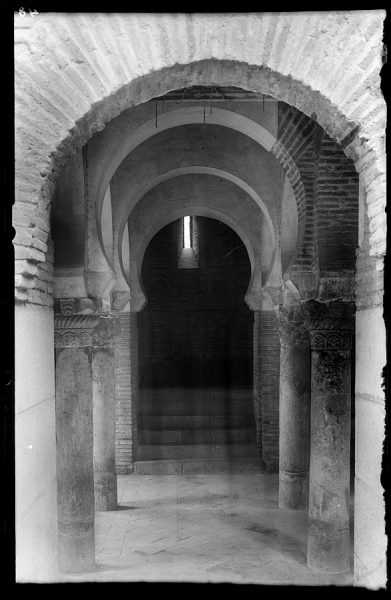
x=330 y=325
x=329 y=339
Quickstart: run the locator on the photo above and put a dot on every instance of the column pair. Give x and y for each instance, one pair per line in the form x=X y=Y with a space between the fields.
x=315 y=396
x=85 y=425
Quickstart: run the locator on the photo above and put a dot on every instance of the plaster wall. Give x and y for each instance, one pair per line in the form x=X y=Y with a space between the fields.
x=68 y=224
x=370 y=541
x=68 y=213
x=35 y=446
x=107 y=226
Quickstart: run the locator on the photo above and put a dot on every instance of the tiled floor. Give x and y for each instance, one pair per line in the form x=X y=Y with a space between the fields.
x=203 y=528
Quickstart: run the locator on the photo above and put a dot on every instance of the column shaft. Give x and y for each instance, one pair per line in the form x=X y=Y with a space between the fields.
x=105 y=476
x=329 y=490
x=295 y=397
x=75 y=479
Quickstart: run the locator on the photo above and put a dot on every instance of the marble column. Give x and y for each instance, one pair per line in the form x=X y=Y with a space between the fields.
x=103 y=390
x=331 y=328
x=294 y=415
x=74 y=429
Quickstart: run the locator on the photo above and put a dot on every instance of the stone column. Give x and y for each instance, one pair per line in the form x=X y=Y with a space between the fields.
x=295 y=399
x=105 y=476
x=330 y=328
x=74 y=427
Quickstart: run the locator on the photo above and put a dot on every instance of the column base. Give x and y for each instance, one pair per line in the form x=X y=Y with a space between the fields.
x=293 y=490
x=328 y=549
x=76 y=547
x=105 y=488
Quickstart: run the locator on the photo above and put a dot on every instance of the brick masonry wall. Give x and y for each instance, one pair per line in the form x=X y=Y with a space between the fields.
x=330 y=186
x=369 y=278
x=336 y=191
x=269 y=384
x=296 y=132
x=126 y=392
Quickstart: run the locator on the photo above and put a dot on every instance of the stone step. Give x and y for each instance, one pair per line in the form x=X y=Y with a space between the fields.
x=195 y=451
x=196 y=409
x=197 y=436
x=196 y=393
x=222 y=421
x=177 y=401
x=196 y=467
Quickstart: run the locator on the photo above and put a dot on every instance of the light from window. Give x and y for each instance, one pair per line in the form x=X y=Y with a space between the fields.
x=186 y=232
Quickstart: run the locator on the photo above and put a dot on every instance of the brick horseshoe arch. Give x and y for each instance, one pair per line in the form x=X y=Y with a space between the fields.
x=255 y=285
x=138 y=296
x=88 y=90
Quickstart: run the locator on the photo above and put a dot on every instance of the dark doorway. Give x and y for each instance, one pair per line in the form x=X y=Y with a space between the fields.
x=195 y=347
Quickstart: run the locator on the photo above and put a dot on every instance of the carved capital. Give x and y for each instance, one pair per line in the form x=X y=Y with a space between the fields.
x=82 y=331
x=291 y=327
x=72 y=331
x=330 y=325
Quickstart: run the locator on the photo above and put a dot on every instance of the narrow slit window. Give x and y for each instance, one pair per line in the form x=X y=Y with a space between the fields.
x=186 y=232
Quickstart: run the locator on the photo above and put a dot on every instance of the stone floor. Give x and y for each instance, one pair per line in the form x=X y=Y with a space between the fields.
x=224 y=528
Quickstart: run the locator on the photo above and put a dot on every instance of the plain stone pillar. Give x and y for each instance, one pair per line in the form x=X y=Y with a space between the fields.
x=329 y=492
x=105 y=476
x=295 y=398
x=74 y=425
